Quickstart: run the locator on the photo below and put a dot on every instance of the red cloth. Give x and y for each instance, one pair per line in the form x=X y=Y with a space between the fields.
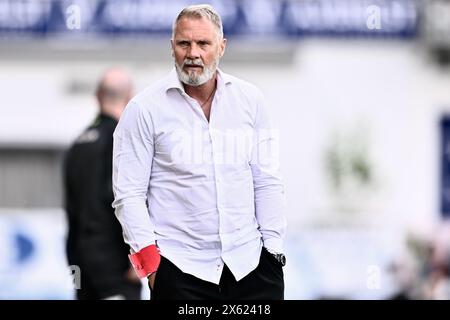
x=145 y=261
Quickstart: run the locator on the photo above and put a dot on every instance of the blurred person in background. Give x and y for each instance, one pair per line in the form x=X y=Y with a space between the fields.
x=404 y=271
x=95 y=241
x=437 y=268
x=422 y=271
x=200 y=228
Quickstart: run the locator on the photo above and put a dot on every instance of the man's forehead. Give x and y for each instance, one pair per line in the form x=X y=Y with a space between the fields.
x=195 y=28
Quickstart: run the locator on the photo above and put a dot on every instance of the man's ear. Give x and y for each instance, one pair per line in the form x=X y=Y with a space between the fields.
x=223 y=45
x=171 y=48
x=98 y=94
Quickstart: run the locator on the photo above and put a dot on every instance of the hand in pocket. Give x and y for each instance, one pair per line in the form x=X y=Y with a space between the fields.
x=151 y=280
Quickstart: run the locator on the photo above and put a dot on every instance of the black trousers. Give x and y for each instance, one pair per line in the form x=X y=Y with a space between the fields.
x=266 y=282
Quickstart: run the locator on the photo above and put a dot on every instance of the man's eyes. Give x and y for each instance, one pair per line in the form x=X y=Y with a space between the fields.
x=187 y=43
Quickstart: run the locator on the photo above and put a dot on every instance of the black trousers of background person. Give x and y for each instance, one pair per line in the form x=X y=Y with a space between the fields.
x=264 y=283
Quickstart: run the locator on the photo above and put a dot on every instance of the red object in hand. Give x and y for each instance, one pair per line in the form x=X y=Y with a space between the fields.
x=146 y=261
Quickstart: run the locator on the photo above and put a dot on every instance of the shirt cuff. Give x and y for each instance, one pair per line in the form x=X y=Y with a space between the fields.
x=273 y=244
x=146 y=261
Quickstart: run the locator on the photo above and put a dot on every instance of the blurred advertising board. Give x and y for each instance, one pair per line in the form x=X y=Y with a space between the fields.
x=33 y=264
x=289 y=19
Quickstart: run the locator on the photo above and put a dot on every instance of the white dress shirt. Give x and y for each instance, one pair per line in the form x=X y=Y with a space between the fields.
x=206 y=193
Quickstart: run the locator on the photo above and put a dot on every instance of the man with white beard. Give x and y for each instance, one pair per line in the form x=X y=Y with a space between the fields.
x=200 y=227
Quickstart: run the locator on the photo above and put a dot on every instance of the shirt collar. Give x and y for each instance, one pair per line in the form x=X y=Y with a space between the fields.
x=174 y=83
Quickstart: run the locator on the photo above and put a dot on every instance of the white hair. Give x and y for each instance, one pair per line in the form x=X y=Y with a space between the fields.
x=199 y=11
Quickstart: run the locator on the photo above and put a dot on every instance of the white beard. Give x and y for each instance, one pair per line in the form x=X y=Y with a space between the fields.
x=192 y=79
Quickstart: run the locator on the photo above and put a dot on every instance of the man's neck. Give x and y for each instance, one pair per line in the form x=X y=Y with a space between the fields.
x=202 y=92
x=112 y=111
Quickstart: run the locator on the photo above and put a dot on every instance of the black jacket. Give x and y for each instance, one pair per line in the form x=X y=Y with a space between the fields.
x=95 y=241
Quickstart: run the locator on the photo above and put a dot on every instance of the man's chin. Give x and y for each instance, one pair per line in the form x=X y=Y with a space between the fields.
x=195 y=82
x=193 y=78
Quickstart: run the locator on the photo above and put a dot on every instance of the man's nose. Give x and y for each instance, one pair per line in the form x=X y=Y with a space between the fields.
x=194 y=51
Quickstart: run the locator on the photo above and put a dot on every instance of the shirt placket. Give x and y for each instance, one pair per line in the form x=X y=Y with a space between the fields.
x=215 y=144
x=212 y=145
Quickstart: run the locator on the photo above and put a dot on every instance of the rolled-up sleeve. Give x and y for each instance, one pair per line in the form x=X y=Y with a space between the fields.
x=269 y=194
x=132 y=163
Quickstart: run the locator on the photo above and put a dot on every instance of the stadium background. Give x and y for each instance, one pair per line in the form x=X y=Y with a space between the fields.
x=359 y=89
